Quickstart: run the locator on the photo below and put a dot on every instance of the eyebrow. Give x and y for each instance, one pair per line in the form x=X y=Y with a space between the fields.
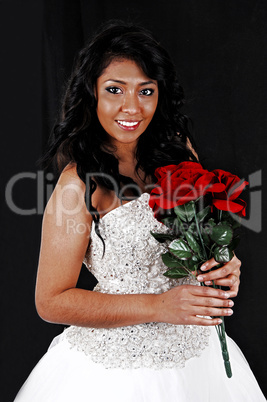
x=124 y=83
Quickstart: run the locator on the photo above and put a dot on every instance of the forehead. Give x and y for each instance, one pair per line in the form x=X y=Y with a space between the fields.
x=124 y=70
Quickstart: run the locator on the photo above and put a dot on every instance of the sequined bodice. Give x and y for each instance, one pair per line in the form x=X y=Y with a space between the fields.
x=132 y=260
x=132 y=264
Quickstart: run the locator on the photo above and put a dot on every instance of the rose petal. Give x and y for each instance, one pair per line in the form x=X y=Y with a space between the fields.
x=230 y=206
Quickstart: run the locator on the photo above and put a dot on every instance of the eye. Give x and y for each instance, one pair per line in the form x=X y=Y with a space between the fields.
x=114 y=90
x=147 y=91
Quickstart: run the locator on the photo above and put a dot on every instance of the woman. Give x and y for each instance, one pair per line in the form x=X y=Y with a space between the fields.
x=138 y=336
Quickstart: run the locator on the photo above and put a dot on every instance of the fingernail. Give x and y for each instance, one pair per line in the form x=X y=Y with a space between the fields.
x=226 y=295
x=200 y=278
x=231 y=303
x=203 y=267
x=208 y=283
x=230 y=312
x=219 y=321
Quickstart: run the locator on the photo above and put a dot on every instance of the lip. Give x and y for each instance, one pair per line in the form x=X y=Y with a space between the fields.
x=129 y=128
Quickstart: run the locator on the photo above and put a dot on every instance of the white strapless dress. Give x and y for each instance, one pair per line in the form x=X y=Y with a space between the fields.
x=151 y=362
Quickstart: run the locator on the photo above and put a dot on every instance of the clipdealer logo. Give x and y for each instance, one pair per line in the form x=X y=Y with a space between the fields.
x=44 y=191
x=254 y=222
x=39 y=178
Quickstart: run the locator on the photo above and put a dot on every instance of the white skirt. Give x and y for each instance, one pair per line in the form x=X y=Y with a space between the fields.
x=67 y=375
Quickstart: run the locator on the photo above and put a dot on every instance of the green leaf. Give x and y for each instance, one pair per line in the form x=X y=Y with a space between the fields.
x=170 y=261
x=206 y=239
x=180 y=212
x=223 y=254
x=193 y=263
x=192 y=228
x=180 y=249
x=176 y=273
x=206 y=231
x=201 y=215
x=205 y=236
x=222 y=234
x=208 y=226
x=193 y=244
x=211 y=222
x=185 y=212
x=162 y=237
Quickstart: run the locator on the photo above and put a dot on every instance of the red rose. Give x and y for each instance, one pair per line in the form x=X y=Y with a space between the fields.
x=228 y=200
x=178 y=184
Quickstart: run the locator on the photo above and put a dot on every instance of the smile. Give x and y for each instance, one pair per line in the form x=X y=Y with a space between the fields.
x=128 y=125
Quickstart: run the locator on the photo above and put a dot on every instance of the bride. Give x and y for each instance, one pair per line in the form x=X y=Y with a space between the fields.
x=138 y=336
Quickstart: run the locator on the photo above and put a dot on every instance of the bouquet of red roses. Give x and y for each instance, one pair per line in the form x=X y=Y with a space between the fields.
x=201 y=210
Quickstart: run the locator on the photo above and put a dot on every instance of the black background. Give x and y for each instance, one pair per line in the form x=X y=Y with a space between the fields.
x=219 y=48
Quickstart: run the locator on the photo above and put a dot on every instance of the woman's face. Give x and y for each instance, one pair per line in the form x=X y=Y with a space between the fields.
x=126 y=101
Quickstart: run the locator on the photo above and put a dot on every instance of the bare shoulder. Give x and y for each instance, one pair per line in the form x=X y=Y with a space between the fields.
x=67 y=199
x=69 y=175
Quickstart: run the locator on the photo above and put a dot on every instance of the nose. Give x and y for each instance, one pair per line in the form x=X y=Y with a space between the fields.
x=131 y=104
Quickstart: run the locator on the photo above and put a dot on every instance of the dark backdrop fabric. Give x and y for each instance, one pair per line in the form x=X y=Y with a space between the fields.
x=219 y=49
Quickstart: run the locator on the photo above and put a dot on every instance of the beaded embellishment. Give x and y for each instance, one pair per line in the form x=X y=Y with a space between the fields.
x=132 y=265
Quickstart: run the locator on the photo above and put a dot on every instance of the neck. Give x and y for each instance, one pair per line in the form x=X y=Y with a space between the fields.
x=125 y=154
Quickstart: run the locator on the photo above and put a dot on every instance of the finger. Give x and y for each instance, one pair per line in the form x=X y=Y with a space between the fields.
x=212 y=311
x=233 y=267
x=205 y=321
x=230 y=281
x=219 y=273
x=234 y=289
x=211 y=302
x=235 y=262
x=206 y=291
x=209 y=264
x=233 y=293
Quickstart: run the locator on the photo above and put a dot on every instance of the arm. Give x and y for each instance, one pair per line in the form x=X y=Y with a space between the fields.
x=65 y=237
x=63 y=247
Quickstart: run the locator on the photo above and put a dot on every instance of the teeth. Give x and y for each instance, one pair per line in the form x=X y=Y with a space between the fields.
x=128 y=123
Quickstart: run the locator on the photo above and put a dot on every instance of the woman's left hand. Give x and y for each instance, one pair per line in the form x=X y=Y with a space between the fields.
x=227 y=275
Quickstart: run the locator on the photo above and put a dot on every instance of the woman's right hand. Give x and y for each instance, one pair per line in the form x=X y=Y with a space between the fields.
x=193 y=305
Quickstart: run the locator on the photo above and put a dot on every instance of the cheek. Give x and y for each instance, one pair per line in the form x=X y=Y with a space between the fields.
x=104 y=110
x=151 y=108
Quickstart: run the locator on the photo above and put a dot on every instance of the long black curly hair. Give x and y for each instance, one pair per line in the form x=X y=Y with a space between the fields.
x=78 y=137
